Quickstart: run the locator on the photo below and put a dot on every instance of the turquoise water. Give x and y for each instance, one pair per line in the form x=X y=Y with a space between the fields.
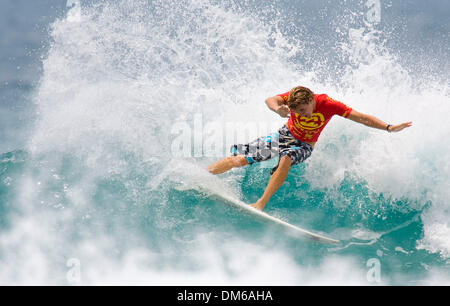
x=136 y=98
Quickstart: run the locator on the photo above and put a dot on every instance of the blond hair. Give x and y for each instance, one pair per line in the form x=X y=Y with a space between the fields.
x=298 y=96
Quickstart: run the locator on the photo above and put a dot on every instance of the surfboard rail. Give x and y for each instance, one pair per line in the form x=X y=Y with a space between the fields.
x=190 y=177
x=292 y=228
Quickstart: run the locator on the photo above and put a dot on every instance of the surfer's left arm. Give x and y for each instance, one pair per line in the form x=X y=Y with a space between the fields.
x=374 y=122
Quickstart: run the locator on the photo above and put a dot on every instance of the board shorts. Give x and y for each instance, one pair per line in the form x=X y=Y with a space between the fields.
x=275 y=145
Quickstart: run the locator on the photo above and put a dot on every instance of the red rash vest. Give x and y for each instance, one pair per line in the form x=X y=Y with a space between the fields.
x=309 y=129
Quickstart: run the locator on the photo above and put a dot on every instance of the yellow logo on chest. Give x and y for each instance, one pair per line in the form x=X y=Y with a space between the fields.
x=315 y=122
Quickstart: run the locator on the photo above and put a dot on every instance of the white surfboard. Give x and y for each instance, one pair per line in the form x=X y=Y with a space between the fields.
x=292 y=229
x=189 y=176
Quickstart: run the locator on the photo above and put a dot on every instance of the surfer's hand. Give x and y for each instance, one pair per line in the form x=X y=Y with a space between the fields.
x=399 y=127
x=283 y=111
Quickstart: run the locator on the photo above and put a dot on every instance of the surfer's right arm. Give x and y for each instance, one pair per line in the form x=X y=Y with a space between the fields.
x=278 y=105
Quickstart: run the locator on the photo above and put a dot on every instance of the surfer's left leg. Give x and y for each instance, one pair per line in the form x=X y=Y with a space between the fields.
x=276 y=180
x=291 y=153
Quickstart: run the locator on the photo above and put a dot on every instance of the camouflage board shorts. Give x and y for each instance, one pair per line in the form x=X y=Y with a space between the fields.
x=275 y=145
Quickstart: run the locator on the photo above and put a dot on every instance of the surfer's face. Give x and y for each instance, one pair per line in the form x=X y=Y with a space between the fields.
x=305 y=110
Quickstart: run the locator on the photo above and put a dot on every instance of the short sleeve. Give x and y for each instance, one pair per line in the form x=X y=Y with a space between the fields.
x=285 y=96
x=338 y=108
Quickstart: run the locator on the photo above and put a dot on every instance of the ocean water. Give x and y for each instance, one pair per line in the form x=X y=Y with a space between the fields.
x=111 y=110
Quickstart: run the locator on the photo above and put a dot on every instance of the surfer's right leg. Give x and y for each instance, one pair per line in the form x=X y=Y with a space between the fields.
x=260 y=149
x=227 y=163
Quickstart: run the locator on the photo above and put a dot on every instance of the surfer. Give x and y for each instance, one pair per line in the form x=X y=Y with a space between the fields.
x=307 y=114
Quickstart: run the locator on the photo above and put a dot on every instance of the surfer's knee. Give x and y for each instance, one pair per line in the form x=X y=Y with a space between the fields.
x=285 y=161
x=284 y=164
x=226 y=164
x=238 y=161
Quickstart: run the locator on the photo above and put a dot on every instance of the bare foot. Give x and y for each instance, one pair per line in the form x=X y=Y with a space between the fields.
x=258 y=205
